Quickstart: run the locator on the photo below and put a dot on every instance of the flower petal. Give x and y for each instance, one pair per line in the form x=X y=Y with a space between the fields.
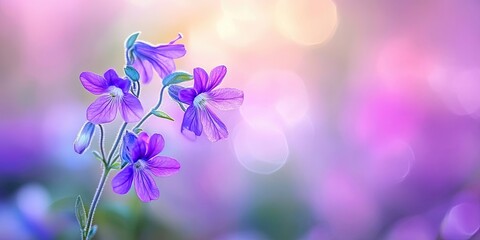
x=140 y=147
x=216 y=76
x=187 y=95
x=191 y=121
x=155 y=145
x=122 y=182
x=144 y=68
x=131 y=108
x=162 y=65
x=225 y=98
x=159 y=57
x=129 y=141
x=200 y=79
x=162 y=166
x=213 y=127
x=94 y=83
x=166 y=50
x=103 y=110
x=145 y=186
x=110 y=75
x=172 y=50
x=121 y=83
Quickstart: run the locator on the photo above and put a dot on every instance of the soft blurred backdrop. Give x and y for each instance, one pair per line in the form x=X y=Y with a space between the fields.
x=361 y=119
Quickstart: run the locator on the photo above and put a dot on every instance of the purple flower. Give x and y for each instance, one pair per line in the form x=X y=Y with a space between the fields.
x=145 y=57
x=140 y=154
x=114 y=96
x=199 y=117
x=84 y=137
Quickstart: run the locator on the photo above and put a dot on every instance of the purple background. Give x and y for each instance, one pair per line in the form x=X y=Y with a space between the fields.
x=360 y=120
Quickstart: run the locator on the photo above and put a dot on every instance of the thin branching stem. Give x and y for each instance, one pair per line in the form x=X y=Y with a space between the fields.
x=139 y=124
x=102 y=142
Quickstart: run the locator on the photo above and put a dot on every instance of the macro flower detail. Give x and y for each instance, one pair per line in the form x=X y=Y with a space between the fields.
x=199 y=116
x=84 y=137
x=145 y=57
x=140 y=155
x=114 y=97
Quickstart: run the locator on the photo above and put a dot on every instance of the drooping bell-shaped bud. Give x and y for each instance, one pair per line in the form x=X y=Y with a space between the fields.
x=173 y=91
x=84 y=137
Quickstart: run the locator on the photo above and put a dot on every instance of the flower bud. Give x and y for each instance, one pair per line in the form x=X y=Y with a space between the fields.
x=173 y=91
x=84 y=137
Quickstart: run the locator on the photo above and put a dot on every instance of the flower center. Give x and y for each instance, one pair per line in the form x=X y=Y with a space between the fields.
x=140 y=164
x=200 y=100
x=115 y=91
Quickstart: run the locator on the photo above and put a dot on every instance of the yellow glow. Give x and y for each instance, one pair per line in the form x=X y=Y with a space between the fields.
x=306 y=22
x=242 y=22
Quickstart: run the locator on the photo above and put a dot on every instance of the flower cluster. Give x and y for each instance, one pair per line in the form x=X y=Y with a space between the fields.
x=139 y=152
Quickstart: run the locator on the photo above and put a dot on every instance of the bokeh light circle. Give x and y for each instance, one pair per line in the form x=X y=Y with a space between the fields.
x=306 y=22
x=461 y=222
x=466 y=86
x=261 y=150
x=391 y=163
x=275 y=96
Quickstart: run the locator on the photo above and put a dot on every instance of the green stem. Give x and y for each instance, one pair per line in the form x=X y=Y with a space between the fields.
x=102 y=142
x=96 y=198
x=103 y=179
x=182 y=107
x=139 y=124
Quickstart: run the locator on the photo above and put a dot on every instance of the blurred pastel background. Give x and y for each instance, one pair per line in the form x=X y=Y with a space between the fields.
x=361 y=119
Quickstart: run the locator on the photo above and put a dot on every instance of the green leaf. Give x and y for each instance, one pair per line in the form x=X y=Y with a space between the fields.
x=132 y=73
x=116 y=165
x=131 y=40
x=80 y=212
x=162 y=114
x=92 y=232
x=137 y=130
x=98 y=156
x=176 y=77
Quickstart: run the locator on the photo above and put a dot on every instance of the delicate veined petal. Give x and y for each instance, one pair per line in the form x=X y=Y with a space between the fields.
x=139 y=148
x=159 y=58
x=123 y=84
x=174 y=91
x=145 y=186
x=94 y=83
x=187 y=95
x=191 y=121
x=131 y=108
x=84 y=137
x=163 y=166
x=156 y=144
x=200 y=79
x=171 y=50
x=110 y=75
x=143 y=136
x=144 y=68
x=163 y=65
x=216 y=76
x=225 y=98
x=102 y=110
x=122 y=182
x=129 y=141
x=213 y=127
